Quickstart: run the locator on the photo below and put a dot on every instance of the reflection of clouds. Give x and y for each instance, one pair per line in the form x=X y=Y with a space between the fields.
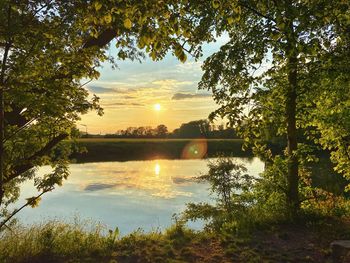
x=139 y=179
x=136 y=179
x=98 y=186
x=172 y=195
x=101 y=186
x=183 y=180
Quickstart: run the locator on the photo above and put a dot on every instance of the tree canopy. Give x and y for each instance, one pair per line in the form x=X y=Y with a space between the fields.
x=284 y=66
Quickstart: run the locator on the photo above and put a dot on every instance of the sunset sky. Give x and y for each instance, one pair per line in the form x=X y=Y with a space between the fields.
x=129 y=94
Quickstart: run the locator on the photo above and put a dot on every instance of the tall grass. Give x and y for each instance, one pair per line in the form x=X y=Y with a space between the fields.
x=84 y=241
x=56 y=241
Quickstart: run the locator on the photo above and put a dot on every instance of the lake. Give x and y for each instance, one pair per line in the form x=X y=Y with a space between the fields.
x=127 y=195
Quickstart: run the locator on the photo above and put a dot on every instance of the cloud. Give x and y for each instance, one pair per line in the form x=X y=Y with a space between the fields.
x=101 y=90
x=122 y=104
x=183 y=96
x=191 y=66
x=127 y=97
x=171 y=83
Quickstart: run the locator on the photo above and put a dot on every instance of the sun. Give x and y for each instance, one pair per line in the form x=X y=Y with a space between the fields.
x=157 y=107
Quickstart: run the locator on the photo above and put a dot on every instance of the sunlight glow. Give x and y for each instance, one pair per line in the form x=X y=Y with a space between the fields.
x=157 y=169
x=157 y=107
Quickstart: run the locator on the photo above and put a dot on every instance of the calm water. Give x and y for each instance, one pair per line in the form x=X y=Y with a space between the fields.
x=127 y=195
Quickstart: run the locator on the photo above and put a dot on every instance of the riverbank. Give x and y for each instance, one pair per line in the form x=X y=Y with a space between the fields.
x=103 y=149
x=81 y=242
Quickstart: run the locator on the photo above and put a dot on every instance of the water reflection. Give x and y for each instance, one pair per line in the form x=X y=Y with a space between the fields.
x=126 y=194
x=98 y=186
x=157 y=169
x=142 y=183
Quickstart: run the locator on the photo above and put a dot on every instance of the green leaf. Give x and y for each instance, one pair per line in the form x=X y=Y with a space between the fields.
x=237 y=9
x=230 y=20
x=183 y=57
x=215 y=4
x=108 y=18
x=33 y=201
x=127 y=23
x=97 y=6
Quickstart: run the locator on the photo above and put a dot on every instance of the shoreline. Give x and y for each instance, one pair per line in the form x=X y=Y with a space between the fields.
x=106 y=149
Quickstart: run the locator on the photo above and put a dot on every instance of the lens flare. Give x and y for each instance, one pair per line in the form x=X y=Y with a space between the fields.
x=196 y=149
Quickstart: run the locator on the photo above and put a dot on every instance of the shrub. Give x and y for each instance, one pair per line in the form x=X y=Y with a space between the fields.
x=244 y=203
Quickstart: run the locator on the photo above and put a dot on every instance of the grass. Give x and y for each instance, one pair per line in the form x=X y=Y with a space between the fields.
x=82 y=242
x=137 y=140
x=60 y=242
x=105 y=149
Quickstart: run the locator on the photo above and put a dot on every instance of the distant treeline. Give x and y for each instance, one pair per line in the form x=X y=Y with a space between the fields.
x=192 y=129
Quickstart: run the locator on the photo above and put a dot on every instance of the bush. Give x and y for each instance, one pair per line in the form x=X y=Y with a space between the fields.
x=244 y=203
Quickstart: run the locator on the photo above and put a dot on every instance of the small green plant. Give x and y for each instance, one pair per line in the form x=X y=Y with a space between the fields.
x=231 y=187
x=112 y=237
x=227 y=180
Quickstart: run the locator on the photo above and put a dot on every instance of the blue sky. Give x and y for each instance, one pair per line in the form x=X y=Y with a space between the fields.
x=128 y=94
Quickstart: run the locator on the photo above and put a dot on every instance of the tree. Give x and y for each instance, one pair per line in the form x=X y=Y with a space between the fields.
x=42 y=62
x=193 y=129
x=161 y=130
x=47 y=48
x=282 y=61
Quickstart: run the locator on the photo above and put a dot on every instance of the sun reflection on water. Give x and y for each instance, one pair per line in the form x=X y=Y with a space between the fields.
x=158 y=178
x=157 y=169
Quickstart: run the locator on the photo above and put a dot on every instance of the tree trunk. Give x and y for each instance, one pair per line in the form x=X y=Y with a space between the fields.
x=2 y=126
x=2 y=121
x=2 y=106
x=292 y=176
x=292 y=143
